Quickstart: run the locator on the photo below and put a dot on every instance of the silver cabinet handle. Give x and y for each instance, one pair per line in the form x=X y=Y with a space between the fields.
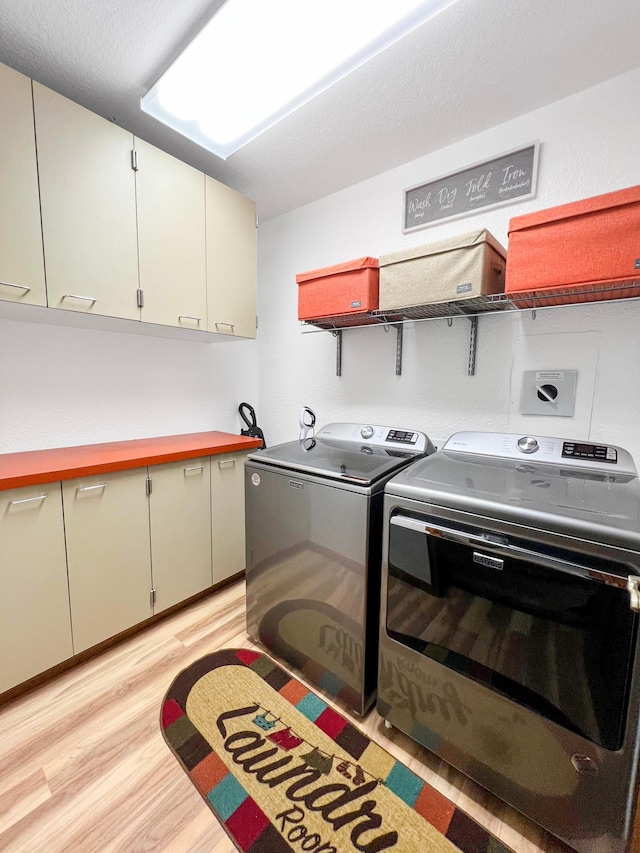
x=27 y=500
x=194 y=468
x=222 y=463
x=187 y=317
x=92 y=488
x=19 y=286
x=77 y=296
x=229 y=325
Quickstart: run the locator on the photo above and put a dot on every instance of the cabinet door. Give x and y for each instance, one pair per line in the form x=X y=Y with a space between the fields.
x=171 y=236
x=21 y=263
x=35 y=625
x=107 y=528
x=231 y=261
x=180 y=507
x=227 y=514
x=87 y=192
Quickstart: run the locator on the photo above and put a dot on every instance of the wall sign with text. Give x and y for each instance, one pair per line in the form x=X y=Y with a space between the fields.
x=505 y=179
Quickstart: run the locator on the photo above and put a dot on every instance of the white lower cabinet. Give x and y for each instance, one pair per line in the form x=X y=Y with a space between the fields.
x=180 y=521
x=227 y=515
x=109 y=560
x=35 y=625
x=137 y=542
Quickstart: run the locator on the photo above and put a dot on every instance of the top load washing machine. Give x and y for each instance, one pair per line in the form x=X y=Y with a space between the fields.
x=314 y=542
x=509 y=625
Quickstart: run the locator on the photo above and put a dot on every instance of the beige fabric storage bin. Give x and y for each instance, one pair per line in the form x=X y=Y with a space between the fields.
x=461 y=267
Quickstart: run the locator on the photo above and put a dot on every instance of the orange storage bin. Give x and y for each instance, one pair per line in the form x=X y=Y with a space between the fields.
x=570 y=253
x=348 y=288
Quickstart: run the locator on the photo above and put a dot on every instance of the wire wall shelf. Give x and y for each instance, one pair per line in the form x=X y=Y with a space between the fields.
x=560 y=297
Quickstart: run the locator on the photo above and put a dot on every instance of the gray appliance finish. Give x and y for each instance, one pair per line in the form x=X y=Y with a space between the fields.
x=509 y=640
x=314 y=544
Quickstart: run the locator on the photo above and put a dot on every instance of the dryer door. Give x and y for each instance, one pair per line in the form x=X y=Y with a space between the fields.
x=547 y=628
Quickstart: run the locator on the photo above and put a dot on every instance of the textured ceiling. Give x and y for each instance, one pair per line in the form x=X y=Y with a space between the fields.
x=475 y=65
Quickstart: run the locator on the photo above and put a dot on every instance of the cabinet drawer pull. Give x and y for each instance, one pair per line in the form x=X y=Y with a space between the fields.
x=92 y=488
x=77 y=296
x=19 y=286
x=182 y=317
x=194 y=468
x=27 y=500
x=223 y=462
x=229 y=325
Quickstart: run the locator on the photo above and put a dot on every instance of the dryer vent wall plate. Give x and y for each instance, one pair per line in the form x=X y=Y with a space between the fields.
x=549 y=392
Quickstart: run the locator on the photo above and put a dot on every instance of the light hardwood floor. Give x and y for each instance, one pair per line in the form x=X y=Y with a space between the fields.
x=84 y=767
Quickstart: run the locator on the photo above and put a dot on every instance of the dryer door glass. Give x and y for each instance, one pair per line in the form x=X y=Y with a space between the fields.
x=531 y=624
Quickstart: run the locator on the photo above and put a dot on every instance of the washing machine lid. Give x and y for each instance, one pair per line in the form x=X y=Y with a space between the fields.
x=361 y=454
x=569 y=487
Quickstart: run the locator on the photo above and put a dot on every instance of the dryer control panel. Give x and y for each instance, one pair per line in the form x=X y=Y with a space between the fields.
x=559 y=451
x=580 y=450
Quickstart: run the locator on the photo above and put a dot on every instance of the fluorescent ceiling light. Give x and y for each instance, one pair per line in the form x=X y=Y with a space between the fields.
x=257 y=61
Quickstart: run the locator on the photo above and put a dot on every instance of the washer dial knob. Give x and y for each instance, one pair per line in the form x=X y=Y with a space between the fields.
x=366 y=431
x=527 y=444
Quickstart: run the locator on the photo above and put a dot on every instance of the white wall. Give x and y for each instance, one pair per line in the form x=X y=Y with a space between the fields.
x=62 y=386
x=588 y=146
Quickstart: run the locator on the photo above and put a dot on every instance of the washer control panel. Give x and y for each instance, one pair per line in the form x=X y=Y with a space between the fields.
x=580 y=450
x=385 y=437
x=559 y=451
x=402 y=436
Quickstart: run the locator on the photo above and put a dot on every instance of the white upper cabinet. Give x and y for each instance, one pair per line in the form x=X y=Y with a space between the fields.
x=88 y=205
x=98 y=222
x=231 y=261
x=21 y=264
x=171 y=239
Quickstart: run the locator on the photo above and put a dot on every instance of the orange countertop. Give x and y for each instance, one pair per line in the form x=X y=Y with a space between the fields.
x=33 y=467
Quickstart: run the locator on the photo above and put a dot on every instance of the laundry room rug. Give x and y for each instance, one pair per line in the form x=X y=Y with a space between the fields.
x=283 y=771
